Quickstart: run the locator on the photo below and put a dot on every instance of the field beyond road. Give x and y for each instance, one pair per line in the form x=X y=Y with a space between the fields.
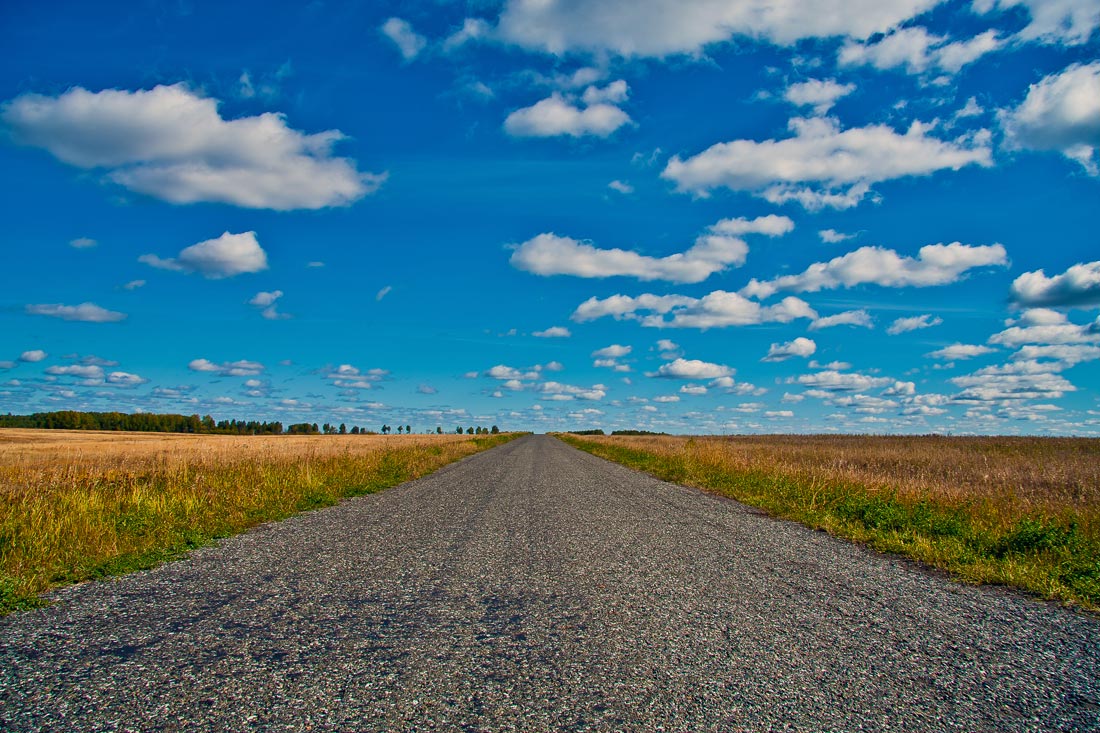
x=81 y=504
x=1018 y=511
x=534 y=587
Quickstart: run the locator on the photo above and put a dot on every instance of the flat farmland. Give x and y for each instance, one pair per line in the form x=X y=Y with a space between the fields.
x=83 y=504
x=1021 y=511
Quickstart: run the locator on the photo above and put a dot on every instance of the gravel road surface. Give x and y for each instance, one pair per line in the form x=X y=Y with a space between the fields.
x=535 y=587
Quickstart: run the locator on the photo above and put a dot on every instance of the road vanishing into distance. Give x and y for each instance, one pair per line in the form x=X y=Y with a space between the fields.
x=535 y=587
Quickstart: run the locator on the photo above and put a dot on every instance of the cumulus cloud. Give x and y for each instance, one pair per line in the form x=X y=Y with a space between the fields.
x=89 y=312
x=347 y=376
x=801 y=346
x=692 y=369
x=1045 y=326
x=834 y=381
x=859 y=318
x=1078 y=286
x=666 y=27
x=134 y=285
x=956 y=352
x=621 y=187
x=171 y=143
x=267 y=302
x=241 y=368
x=935 y=264
x=993 y=385
x=713 y=251
x=556 y=116
x=408 y=41
x=83 y=243
x=832 y=236
x=821 y=94
x=913 y=323
x=1061 y=113
x=714 y=310
x=558 y=391
x=32 y=356
x=614 y=351
x=822 y=165
x=918 y=51
x=1052 y=21
x=554 y=332
x=473 y=29
x=226 y=256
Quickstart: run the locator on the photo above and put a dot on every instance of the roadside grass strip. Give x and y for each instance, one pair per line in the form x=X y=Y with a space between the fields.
x=1044 y=540
x=122 y=504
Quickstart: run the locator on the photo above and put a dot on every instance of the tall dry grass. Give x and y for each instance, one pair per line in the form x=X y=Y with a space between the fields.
x=1019 y=511
x=76 y=505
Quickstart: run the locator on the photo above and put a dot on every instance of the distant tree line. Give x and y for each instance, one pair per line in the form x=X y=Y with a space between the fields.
x=139 y=422
x=170 y=423
x=597 y=431
x=635 y=432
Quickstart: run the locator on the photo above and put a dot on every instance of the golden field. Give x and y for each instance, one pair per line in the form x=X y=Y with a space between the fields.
x=81 y=504
x=1018 y=511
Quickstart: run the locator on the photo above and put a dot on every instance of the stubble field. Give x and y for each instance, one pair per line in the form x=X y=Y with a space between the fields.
x=1018 y=511
x=80 y=504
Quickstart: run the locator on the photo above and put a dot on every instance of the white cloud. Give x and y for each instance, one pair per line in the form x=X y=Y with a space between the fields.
x=226 y=256
x=553 y=332
x=801 y=346
x=556 y=116
x=822 y=165
x=124 y=379
x=171 y=143
x=715 y=250
x=83 y=243
x=668 y=398
x=1043 y=326
x=408 y=41
x=473 y=29
x=667 y=27
x=859 y=318
x=715 y=310
x=266 y=301
x=1061 y=112
x=778 y=413
x=614 y=351
x=821 y=94
x=241 y=368
x=616 y=92
x=347 y=376
x=1078 y=286
x=833 y=381
x=832 y=236
x=693 y=389
x=955 y=352
x=1068 y=355
x=913 y=323
x=134 y=285
x=692 y=369
x=92 y=372
x=383 y=292
x=35 y=355
x=561 y=392
x=1053 y=21
x=89 y=312
x=501 y=371
x=918 y=51
x=935 y=264
x=621 y=187
x=987 y=386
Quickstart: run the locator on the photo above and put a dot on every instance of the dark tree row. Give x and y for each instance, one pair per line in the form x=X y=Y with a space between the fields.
x=151 y=422
x=139 y=422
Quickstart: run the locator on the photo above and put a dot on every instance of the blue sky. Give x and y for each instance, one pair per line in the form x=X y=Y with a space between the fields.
x=689 y=216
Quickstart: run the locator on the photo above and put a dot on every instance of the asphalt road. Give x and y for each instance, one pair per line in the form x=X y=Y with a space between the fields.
x=535 y=587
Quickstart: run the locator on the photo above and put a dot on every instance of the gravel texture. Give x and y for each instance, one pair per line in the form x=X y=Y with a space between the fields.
x=535 y=587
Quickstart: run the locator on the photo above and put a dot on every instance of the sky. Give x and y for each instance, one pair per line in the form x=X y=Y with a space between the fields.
x=688 y=216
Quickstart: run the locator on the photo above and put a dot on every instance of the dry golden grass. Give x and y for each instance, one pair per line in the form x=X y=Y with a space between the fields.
x=79 y=504
x=1020 y=511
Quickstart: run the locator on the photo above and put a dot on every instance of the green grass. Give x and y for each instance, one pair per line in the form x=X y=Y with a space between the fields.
x=1050 y=554
x=84 y=522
